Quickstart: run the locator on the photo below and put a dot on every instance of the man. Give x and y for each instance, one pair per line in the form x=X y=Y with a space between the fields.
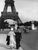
x=18 y=37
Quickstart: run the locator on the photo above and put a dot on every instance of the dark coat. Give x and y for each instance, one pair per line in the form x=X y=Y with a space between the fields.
x=8 y=40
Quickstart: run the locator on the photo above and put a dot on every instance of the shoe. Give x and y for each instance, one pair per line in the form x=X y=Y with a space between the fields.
x=20 y=48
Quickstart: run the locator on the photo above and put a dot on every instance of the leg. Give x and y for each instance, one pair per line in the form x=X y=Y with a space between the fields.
x=17 y=44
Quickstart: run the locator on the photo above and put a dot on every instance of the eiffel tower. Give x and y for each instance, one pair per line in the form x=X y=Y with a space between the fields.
x=10 y=15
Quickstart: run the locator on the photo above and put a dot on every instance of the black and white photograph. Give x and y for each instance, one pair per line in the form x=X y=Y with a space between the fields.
x=18 y=24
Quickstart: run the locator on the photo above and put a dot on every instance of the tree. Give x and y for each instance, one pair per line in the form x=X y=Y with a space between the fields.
x=6 y=24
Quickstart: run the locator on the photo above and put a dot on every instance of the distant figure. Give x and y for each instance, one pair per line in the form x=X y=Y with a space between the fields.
x=33 y=27
x=11 y=39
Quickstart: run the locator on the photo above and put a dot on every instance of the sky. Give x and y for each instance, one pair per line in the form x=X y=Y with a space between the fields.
x=27 y=9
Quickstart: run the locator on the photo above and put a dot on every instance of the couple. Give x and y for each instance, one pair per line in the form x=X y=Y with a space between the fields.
x=11 y=41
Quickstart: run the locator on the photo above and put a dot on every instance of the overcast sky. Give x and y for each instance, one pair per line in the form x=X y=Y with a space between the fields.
x=27 y=9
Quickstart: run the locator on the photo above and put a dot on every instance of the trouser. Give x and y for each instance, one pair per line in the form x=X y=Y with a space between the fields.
x=17 y=43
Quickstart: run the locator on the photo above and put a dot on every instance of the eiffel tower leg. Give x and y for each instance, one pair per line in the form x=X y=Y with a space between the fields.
x=5 y=8
x=13 y=9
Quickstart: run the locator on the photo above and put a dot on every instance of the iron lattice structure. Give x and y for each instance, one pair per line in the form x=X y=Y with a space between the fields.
x=10 y=15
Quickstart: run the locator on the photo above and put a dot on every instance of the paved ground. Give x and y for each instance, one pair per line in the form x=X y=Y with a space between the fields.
x=29 y=41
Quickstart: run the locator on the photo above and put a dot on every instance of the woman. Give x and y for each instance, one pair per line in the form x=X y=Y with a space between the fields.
x=11 y=39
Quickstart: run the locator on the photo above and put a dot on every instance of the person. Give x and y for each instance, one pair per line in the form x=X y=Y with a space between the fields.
x=17 y=36
x=18 y=39
x=11 y=39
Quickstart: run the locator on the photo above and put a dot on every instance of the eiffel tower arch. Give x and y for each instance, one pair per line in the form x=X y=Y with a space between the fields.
x=10 y=15
x=9 y=3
